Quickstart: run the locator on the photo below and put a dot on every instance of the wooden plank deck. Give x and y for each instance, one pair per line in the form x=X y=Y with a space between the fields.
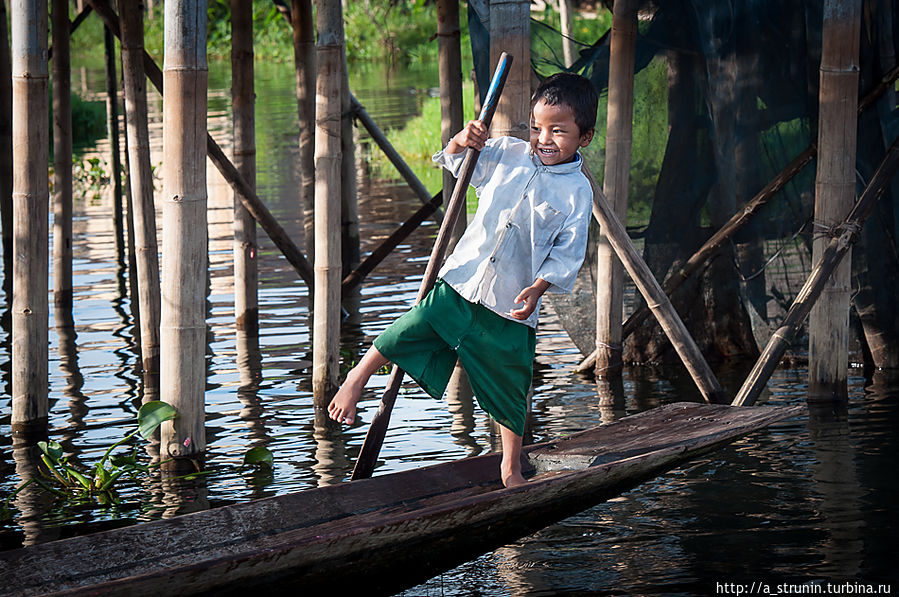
x=382 y=534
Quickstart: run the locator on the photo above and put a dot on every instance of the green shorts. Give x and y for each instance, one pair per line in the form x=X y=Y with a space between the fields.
x=496 y=353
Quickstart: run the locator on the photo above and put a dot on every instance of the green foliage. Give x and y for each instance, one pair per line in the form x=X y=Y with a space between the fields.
x=88 y=121
x=90 y=176
x=259 y=456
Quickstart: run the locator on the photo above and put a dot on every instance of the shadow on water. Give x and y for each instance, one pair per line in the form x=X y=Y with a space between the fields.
x=808 y=499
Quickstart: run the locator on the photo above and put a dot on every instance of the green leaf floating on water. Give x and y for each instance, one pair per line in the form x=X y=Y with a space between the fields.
x=152 y=414
x=51 y=449
x=259 y=455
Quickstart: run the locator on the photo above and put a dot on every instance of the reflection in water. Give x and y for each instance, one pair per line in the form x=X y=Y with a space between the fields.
x=33 y=502
x=460 y=402
x=836 y=481
x=611 y=398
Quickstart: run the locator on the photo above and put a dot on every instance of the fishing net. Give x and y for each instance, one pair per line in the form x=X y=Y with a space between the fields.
x=726 y=95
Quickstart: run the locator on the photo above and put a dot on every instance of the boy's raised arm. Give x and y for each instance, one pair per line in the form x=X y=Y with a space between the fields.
x=474 y=135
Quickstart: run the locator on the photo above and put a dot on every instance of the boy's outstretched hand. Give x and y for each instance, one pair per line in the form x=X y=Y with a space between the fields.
x=474 y=135
x=529 y=296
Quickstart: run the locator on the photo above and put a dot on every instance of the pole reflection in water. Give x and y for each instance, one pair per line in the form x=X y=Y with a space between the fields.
x=836 y=482
x=611 y=398
x=460 y=402
x=33 y=502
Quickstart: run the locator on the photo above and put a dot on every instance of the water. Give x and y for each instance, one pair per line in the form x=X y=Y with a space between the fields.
x=808 y=500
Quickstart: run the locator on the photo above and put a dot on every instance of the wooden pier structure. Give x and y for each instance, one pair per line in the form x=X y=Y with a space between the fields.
x=364 y=531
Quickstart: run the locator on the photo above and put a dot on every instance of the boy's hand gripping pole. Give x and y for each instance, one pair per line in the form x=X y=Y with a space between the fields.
x=365 y=464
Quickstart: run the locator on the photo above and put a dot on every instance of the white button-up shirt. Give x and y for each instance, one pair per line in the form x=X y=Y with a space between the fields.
x=531 y=223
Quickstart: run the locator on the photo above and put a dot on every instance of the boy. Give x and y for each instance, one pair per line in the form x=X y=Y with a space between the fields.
x=528 y=236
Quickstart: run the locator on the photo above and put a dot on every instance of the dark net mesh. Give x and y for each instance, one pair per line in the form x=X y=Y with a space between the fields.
x=726 y=95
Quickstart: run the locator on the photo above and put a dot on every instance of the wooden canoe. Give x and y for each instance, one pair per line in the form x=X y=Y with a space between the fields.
x=383 y=534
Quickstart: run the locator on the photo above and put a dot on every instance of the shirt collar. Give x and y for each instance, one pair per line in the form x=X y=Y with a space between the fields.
x=565 y=168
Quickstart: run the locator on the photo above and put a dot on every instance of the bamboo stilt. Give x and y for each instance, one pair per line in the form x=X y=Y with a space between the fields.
x=62 y=162
x=610 y=274
x=450 y=73
x=184 y=259
x=304 y=64
x=112 y=123
x=142 y=236
x=510 y=31
x=31 y=148
x=834 y=191
x=246 y=275
x=5 y=149
x=326 y=318
x=655 y=297
x=837 y=248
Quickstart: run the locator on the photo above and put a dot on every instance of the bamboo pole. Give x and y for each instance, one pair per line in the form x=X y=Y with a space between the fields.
x=393 y=155
x=73 y=25
x=365 y=464
x=326 y=316
x=449 y=64
x=62 y=162
x=184 y=259
x=141 y=206
x=837 y=248
x=565 y=22
x=510 y=31
x=30 y=142
x=6 y=150
x=655 y=297
x=112 y=124
x=304 y=66
x=739 y=219
x=834 y=191
x=619 y=138
x=248 y=197
x=246 y=275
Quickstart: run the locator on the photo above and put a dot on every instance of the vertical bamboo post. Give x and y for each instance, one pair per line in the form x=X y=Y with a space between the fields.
x=112 y=119
x=184 y=260
x=304 y=65
x=610 y=273
x=62 y=161
x=510 y=31
x=834 y=191
x=31 y=149
x=5 y=148
x=142 y=211
x=449 y=64
x=326 y=318
x=565 y=26
x=246 y=307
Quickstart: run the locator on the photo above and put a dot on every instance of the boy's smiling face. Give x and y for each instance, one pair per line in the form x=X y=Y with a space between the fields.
x=555 y=136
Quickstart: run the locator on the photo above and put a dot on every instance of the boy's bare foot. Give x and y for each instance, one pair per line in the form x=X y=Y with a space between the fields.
x=343 y=406
x=513 y=480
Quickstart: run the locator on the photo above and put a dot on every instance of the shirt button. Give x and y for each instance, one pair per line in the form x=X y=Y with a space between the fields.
x=508 y=224
x=492 y=259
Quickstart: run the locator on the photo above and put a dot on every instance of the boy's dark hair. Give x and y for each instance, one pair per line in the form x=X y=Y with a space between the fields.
x=574 y=91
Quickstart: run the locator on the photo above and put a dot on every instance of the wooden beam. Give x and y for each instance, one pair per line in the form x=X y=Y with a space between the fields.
x=837 y=248
x=326 y=312
x=30 y=151
x=619 y=139
x=834 y=191
x=655 y=297
x=184 y=256
x=142 y=212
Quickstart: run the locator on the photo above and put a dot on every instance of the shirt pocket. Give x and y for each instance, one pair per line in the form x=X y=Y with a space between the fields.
x=546 y=223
